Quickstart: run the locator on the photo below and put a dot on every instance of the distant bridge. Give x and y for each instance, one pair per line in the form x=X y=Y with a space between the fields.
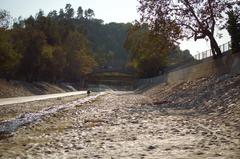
x=113 y=77
x=112 y=69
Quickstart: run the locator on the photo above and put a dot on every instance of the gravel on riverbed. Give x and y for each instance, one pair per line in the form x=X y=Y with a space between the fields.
x=11 y=111
x=167 y=121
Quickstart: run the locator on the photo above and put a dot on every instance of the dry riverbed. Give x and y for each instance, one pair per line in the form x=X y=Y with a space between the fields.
x=190 y=120
x=120 y=125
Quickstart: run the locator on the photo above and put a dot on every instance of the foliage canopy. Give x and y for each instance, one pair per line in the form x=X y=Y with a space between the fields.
x=196 y=19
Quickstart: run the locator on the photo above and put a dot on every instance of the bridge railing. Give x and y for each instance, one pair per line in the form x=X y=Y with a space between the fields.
x=119 y=70
x=205 y=54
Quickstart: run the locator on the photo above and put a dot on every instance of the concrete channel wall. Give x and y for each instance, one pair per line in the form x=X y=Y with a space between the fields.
x=229 y=63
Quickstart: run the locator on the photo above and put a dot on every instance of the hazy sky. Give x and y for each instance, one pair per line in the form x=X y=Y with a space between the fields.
x=108 y=10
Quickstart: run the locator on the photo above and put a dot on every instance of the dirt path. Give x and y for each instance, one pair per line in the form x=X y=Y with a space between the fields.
x=17 y=100
x=121 y=125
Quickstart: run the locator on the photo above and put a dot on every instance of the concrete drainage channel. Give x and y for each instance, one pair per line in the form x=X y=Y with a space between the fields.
x=10 y=126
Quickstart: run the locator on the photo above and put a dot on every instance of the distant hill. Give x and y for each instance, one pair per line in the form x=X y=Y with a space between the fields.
x=106 y=41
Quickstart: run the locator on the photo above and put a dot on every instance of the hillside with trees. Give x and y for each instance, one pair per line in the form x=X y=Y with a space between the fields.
x=67 y=45
x=62 y=45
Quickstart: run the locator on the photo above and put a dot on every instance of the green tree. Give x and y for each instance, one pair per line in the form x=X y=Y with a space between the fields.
x=9 y=59
x=79 y=13
x=61 y=14
x=148 y=51
x=77 y=48
x=40 y=14
x=59 y=63
x=4 y=19
x=233 y=27
x=52 y=63
x=69 y=11
x=31 y=61
x=53 y=15
x=89 y=13
x=29 y=22
x=49 y=27
x=177 y=57
x=19 y=23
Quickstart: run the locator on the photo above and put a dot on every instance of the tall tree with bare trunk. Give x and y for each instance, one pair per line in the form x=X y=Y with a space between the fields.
x=196 y=19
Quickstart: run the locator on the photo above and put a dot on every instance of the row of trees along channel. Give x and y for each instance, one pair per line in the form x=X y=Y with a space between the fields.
x=59 y=46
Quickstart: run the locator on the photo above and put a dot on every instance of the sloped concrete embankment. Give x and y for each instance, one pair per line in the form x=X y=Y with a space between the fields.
x=15 y=88
x=229 y=64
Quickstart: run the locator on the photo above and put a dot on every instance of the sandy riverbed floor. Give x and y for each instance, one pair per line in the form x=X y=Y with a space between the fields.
x=130 y=125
